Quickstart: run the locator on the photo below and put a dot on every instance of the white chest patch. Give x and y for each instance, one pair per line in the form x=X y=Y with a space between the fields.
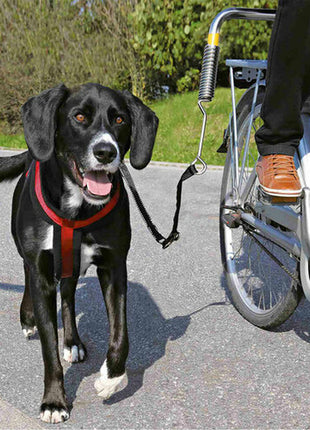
x=72 y=198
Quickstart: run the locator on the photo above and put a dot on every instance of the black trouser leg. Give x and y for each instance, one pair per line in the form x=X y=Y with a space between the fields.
x=288 y=79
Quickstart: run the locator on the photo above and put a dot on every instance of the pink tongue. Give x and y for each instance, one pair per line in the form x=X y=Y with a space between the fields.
x=97 y=183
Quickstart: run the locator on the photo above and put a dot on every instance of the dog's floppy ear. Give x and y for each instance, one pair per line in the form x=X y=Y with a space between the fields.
x=39 y=120
x=143 y=131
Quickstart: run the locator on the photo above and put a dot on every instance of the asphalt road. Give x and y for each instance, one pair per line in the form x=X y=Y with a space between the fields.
x=194 y=362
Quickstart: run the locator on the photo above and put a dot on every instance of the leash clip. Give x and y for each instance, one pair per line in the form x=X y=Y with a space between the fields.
x=203 y=167
x=170 y=239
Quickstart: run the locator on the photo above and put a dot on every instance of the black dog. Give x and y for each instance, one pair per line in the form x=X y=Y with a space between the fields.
x=70 y=210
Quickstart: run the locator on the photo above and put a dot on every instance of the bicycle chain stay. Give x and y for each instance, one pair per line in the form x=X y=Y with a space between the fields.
x=236 y=221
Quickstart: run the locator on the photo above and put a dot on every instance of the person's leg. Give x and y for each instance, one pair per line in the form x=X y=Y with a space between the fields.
x=288 y=62
x=287 y=87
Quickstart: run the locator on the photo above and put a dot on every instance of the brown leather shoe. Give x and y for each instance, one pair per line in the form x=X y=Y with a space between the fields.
x=277 y=175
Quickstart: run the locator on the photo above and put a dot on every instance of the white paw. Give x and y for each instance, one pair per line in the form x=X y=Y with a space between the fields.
x=29 y=331
x=106 y=386
x=74 y=354
x=54 y=416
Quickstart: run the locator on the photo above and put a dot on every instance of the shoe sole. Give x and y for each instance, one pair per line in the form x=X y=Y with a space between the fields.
x=281 y=193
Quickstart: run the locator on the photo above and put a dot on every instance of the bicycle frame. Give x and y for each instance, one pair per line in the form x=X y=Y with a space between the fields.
x=210 y=60
x=291 y=218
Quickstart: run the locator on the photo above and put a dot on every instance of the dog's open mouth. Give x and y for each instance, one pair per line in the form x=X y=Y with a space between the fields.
x=96 y=184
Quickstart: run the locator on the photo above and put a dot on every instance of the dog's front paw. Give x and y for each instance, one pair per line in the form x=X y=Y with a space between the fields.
x=50 y=413
x=75 y=353
x=106 y=386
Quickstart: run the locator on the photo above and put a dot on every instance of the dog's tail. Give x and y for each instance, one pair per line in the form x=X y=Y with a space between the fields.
x=11 y=167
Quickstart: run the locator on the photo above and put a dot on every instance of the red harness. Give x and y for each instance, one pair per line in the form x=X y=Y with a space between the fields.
x=69 y=228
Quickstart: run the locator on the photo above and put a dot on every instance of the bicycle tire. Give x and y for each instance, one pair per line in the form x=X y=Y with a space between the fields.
x=246 y=276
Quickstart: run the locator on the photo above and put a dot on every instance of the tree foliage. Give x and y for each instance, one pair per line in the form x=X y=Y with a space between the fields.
x=145 y=46
x=170 y=37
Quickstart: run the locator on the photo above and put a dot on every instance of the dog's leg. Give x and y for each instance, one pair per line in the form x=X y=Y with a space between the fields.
x=114 y=287
x=54 y=407
x=27 y=319
x=74 y=350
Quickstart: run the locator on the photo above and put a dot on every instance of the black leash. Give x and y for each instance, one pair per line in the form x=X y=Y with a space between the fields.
x=174 y=235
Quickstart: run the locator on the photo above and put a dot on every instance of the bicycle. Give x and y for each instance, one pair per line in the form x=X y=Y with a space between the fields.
x=265 y=245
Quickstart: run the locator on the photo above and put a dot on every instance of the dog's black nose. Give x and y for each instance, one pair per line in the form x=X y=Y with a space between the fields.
x=105 y=152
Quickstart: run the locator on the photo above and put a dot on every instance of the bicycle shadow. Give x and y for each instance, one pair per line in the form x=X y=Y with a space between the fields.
x=299 y=322
x=149 y=333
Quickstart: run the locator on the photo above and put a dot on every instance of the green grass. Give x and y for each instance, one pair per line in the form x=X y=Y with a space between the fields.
x=180 y=122
x=16 y=141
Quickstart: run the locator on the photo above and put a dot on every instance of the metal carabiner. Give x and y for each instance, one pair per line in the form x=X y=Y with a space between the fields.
x=203 y=167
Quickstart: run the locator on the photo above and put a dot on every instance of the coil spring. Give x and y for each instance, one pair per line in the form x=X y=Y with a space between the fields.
x=208 y=73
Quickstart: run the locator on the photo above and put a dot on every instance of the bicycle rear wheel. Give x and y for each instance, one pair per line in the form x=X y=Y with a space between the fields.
x=261 y=291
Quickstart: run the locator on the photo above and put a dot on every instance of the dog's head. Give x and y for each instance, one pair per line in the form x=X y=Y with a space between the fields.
x=89 y=129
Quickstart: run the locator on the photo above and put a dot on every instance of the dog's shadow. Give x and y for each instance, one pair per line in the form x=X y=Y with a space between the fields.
x=149 y=332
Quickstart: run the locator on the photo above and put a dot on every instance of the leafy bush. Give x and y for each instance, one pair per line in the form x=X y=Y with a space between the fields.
x=146 y=46
x=43 y=43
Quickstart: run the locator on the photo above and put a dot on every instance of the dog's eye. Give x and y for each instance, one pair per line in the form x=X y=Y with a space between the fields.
x=119 y=120
x=80 y=117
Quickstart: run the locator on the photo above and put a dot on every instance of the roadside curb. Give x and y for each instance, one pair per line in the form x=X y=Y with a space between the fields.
x=181 y=165
x=152 y=163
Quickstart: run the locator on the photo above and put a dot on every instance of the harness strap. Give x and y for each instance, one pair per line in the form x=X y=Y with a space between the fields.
x=67 y=236
x=174 y=235
x=67 y=251
x=68 y=222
